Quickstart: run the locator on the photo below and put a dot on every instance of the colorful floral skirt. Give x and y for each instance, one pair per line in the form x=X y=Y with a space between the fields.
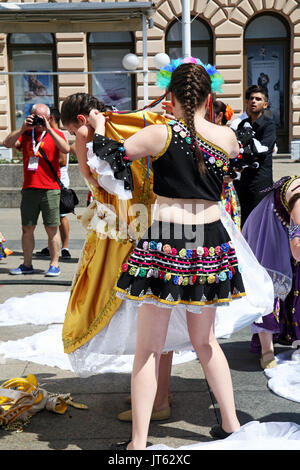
x=230 y=203
x=175 y=264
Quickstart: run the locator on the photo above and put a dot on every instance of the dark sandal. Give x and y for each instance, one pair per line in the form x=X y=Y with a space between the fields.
x=120 y=445
x=217 y=432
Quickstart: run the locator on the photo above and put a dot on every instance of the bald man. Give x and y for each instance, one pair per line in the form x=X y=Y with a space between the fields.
x=40 y=190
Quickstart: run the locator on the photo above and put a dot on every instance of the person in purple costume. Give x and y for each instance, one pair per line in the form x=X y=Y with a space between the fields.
x=273 y=233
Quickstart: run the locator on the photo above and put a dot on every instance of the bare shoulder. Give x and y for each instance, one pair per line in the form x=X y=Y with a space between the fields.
x=148 y=141
x=151 y=133
x=82 y=138
x=221 y=136
x=156 y=135
x=158 y=130
x=82 y=133
x=228 y=133
x=229 y=142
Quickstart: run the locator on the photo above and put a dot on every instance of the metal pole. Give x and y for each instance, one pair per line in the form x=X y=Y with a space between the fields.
x=186 y=28
x=145 y=60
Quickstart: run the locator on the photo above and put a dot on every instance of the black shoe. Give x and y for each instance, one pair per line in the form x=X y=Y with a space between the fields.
x=65 y=253
x=217 y=432
x=120 y=445
x=43 y=252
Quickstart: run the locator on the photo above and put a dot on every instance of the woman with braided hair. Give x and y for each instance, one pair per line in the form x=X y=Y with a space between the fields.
x=186 y=262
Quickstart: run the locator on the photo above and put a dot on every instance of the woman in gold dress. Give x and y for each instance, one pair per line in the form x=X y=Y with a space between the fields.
x=93 y=301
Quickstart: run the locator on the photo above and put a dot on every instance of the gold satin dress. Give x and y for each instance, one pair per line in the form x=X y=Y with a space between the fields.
x=93 y=299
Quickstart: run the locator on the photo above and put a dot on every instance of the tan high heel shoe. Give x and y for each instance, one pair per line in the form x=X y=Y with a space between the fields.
x=268 y=363
x=160 y=415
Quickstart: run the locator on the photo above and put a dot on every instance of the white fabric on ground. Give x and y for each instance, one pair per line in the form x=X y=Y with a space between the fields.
x=284 y=379
x=252 y=436
x=42 y=308
x=46 y=348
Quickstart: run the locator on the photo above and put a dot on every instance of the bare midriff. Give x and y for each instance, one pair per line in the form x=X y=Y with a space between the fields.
x=186 y=211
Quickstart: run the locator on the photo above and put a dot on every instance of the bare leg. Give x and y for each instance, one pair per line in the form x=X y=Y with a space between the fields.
x=163 y=386
x=64 y=231
x=266 y=341
x=162 y=397
x=28 y=243
x=214 y=364
x=53 y=244
x=267 y=359
x=152 y=330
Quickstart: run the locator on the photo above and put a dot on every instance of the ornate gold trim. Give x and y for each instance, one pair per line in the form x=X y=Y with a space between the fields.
x=177 y=302
x=166 y=145
x=284 y=190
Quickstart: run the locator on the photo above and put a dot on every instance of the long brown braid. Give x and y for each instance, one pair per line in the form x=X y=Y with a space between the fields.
x=190 y=84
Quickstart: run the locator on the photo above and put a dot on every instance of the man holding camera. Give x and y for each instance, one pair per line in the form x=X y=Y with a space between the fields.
x=40 y=191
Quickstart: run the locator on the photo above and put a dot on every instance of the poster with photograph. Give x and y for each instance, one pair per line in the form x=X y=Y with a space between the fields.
x=266 y=73
x=266 y=67
x=37 y=85
x=38 y=88
x=113 y=89
x=109 y=86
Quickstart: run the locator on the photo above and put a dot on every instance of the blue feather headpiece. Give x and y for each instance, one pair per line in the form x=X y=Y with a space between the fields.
x=163 y=77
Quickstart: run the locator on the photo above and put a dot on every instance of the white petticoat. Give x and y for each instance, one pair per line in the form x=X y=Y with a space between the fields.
x=119 y=336
x=105 y=175
x=251 y=436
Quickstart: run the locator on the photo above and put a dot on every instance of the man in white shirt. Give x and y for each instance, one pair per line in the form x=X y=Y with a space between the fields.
x=254 y=180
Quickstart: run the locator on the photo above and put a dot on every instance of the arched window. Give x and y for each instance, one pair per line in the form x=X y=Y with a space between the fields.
x=34 y=54
x=201 y=41
x=105 y=53
x=267 y=53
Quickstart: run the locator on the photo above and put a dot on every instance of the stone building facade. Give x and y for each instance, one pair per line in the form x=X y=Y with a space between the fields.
x=235 y=43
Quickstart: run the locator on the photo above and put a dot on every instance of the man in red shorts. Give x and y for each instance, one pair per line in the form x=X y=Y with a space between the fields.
x=40 y=191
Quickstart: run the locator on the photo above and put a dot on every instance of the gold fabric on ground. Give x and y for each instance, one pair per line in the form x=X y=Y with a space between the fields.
x=93 y=299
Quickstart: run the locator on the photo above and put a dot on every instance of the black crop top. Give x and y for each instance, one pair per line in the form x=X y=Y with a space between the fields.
x=175 y=170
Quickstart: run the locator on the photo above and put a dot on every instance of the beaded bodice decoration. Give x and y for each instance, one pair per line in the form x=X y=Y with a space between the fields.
x=176 y=172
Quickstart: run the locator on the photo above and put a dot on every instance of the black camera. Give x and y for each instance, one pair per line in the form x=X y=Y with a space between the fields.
x=38 y=120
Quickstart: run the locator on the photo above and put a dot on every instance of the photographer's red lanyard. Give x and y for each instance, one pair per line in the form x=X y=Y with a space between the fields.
x=34 y=161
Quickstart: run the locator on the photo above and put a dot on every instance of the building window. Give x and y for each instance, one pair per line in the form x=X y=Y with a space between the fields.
x=267 y=53
x=35 y=55
x=201 y=41
x=105 y=53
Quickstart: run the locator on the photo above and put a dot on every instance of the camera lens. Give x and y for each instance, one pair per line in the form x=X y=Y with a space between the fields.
x=37 y=120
